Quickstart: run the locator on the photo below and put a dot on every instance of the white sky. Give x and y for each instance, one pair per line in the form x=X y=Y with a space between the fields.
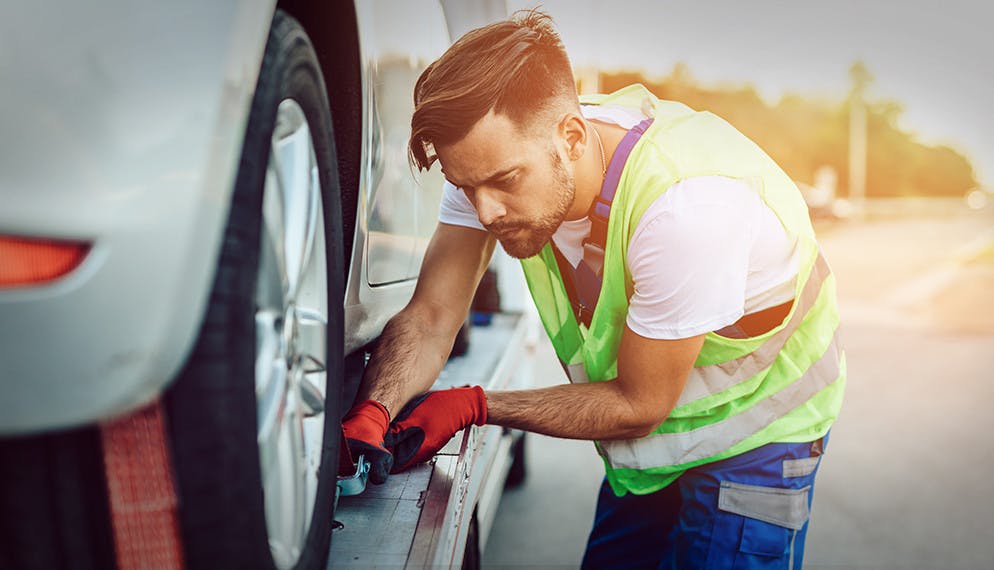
x=935 y=57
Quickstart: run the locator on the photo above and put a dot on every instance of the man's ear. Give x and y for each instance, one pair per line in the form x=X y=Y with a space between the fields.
x=573 y=131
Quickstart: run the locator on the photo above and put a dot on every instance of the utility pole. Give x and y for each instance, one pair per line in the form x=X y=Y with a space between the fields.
x=588 y=77
x=860 y=77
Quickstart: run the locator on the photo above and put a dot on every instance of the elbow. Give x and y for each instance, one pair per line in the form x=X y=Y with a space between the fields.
x=438 y=319
x=641 y=430
x=630 y=432
x=638 y=414
x=640 y=424
x=429 y=320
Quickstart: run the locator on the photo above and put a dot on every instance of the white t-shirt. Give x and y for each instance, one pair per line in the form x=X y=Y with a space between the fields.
x=705 y=253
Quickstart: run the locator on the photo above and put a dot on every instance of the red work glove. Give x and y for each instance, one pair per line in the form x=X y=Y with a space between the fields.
x=429 y=421
x=365 y=427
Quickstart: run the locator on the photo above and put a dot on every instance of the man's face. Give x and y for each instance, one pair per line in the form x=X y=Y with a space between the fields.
x=517 y=181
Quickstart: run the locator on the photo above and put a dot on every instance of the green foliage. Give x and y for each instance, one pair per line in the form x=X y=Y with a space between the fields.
x=804 y=133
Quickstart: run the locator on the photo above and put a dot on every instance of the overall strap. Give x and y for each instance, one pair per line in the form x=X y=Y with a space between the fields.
x=600 y=210
x=589 y=273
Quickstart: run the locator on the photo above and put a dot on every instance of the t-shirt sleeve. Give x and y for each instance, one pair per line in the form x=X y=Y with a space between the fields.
x=456 y=209
x=689 y=260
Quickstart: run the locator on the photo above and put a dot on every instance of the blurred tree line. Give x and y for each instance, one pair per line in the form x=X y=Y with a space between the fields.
x=804 y=133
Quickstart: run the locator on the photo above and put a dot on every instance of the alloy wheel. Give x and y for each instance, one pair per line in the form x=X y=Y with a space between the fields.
x=291 y=335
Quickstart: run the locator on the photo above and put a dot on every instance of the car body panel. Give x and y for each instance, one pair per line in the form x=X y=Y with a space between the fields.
x=122 y=124
x=397 y=211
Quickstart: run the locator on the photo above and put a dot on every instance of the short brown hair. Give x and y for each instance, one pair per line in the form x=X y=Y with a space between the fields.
x=516 y=67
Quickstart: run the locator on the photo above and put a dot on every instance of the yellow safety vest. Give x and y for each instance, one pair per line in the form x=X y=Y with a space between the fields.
x=785 y=385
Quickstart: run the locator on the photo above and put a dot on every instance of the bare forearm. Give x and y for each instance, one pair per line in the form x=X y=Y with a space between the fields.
x=406 y=360
x=574 y=411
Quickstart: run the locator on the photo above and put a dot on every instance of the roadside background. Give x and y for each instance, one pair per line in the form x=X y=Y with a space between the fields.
x=880 y=111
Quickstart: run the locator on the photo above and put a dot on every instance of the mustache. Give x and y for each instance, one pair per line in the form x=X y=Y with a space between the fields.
x=505 y=227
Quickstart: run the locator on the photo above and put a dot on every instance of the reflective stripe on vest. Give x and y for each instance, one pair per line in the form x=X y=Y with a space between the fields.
x=577 y=373
x=709 y=440
x=707 y=381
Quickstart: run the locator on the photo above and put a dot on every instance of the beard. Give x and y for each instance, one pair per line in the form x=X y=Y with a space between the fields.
x=526 y=238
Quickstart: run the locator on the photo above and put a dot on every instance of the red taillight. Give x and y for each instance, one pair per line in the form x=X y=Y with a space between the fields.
x=26 y=261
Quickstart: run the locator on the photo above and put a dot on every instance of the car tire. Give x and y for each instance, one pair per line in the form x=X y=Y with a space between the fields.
x=460 y=344
x=213 y=408
x=53 y=502
x=519 y=469
x=471 y=558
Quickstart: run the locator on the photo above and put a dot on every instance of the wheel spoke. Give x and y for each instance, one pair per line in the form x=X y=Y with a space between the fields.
x=297 y=459
x=311 y=398
x=280 y=477
x=315 y=221
x=312 y=342
x=272 y=285
x=267 y=342
x=271 y=415
x=297 y=170
x=310 y=353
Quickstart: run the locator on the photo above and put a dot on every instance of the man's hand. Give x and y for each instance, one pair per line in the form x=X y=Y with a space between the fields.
x=429 y=421
x=365 y=428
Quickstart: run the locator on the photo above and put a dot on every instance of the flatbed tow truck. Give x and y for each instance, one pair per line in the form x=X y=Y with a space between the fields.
x=439 y=514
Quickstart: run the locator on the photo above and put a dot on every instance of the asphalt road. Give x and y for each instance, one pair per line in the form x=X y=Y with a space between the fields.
x=906 y=482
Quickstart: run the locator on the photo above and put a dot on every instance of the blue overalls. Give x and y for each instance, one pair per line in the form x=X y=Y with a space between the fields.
x=746 y=512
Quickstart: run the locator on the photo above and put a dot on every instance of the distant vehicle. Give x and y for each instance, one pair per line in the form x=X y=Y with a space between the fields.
x=820 y=201
x=206 y=205
x=979 y=198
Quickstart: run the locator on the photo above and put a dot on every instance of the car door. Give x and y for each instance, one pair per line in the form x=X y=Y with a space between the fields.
x=400 y=38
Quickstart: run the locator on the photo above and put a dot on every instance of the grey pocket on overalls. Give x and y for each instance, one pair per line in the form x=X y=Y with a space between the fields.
x=771 y=515
x=782 y=507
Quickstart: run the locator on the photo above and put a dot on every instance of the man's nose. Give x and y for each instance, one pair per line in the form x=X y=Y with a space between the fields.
x=488 y=207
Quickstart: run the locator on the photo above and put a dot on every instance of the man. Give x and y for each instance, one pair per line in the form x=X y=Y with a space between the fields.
x=702 y=353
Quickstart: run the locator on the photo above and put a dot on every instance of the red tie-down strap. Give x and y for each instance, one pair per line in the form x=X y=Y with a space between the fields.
x=143 y=505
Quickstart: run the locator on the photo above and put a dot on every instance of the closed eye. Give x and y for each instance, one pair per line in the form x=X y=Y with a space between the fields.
x=507 y=182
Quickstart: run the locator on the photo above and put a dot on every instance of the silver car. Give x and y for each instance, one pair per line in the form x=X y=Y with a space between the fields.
x=206 y=212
